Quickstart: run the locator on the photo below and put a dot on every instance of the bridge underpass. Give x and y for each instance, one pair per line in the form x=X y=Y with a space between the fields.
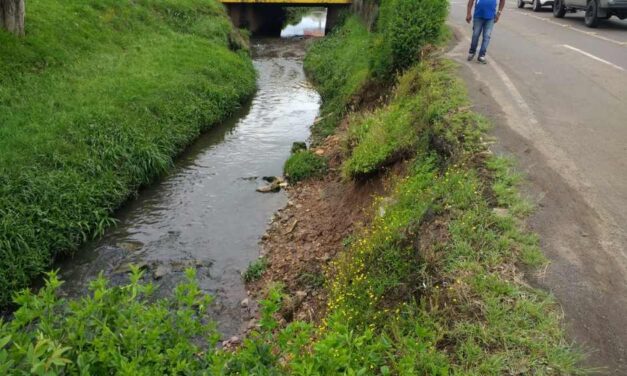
x=268 y=16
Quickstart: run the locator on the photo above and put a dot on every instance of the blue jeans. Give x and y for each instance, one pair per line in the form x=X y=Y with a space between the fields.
x=479 y=26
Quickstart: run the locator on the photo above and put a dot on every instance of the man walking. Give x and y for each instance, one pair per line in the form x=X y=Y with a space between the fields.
x=483 y=22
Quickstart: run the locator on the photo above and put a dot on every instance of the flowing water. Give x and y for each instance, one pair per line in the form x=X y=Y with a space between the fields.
x=206 y=212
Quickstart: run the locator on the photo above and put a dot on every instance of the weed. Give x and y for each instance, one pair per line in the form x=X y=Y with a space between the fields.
x=304 y=165
x=255 y=270
x=113 y=330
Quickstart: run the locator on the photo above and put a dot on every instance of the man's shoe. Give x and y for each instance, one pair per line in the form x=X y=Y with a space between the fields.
x=482 y=60
x=470 y=57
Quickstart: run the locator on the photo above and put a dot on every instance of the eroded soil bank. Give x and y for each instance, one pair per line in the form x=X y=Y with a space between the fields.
x=206 y=212
x=309 y=232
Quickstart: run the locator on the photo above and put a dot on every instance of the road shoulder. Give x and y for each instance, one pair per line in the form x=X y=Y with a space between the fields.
x=567 y=225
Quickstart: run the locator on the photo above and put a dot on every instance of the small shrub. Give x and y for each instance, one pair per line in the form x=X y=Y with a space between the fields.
x=255 y=270
x=304 y=165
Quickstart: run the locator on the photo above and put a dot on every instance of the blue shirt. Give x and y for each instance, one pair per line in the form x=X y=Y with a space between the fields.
x=485 y=9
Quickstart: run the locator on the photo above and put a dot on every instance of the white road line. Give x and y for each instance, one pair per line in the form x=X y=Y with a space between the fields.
x=593 y=57
x=588 y=33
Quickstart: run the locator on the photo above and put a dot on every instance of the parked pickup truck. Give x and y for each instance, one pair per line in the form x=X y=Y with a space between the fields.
x=595 y=9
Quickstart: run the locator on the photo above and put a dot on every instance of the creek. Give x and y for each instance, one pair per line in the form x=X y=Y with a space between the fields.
x=206 y=212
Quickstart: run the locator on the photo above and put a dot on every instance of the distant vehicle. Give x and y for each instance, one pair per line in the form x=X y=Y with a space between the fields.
x=595 y=9
x=536 y=5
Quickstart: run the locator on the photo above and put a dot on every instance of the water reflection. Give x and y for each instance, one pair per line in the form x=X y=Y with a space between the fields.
x=311 y=25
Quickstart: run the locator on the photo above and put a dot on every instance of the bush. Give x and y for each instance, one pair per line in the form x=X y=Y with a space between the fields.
x=404 y=28
x=303 y=165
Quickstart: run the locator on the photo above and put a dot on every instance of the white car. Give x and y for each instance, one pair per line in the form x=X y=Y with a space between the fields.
x=536 y=5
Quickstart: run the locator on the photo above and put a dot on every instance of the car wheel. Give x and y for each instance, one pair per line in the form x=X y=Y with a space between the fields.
x=591 y=19
x=520 y=4
x=537 y=5
x=559 y=10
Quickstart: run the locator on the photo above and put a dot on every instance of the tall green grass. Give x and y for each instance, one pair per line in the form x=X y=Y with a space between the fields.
x=95 y=101
x=339 y=65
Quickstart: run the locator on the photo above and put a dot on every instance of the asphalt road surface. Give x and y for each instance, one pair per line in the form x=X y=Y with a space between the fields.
x=556 y=92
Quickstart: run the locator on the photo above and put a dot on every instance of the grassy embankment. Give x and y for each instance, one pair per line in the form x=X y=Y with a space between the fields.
x=95 y=101
x=435 y=284
x=432 y=287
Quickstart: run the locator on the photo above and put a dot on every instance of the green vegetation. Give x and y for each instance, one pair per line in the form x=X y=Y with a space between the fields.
x=380 y=139
x=94 y=102
x=405 y=28
x=423 y=112
x=303 y=165
x=340 y=68
x=116 y=330
x=431 y=286
x=255 y=270
x=355 y=65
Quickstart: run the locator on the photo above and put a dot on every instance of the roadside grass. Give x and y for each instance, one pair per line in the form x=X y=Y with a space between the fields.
x=304 y=164
x=434 y=285
x=380 y=139
x=426 y=111
x=95 y=101
x=255 y=270
x=441 y=268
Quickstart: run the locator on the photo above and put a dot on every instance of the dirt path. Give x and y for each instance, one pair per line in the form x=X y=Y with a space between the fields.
x=584 y=241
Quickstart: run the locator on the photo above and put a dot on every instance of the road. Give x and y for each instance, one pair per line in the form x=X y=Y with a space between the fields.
x=556 y=92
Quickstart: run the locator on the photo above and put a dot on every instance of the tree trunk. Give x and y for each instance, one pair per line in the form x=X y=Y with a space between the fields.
x=12 y=16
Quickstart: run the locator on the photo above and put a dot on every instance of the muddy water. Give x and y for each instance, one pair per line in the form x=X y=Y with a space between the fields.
x=206 y=213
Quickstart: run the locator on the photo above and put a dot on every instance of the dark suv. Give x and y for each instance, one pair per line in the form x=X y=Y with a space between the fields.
x=595 y=9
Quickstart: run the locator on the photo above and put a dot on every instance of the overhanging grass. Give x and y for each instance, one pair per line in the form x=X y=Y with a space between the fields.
x=380 y=139
x=95 y=101
x=424 y=112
